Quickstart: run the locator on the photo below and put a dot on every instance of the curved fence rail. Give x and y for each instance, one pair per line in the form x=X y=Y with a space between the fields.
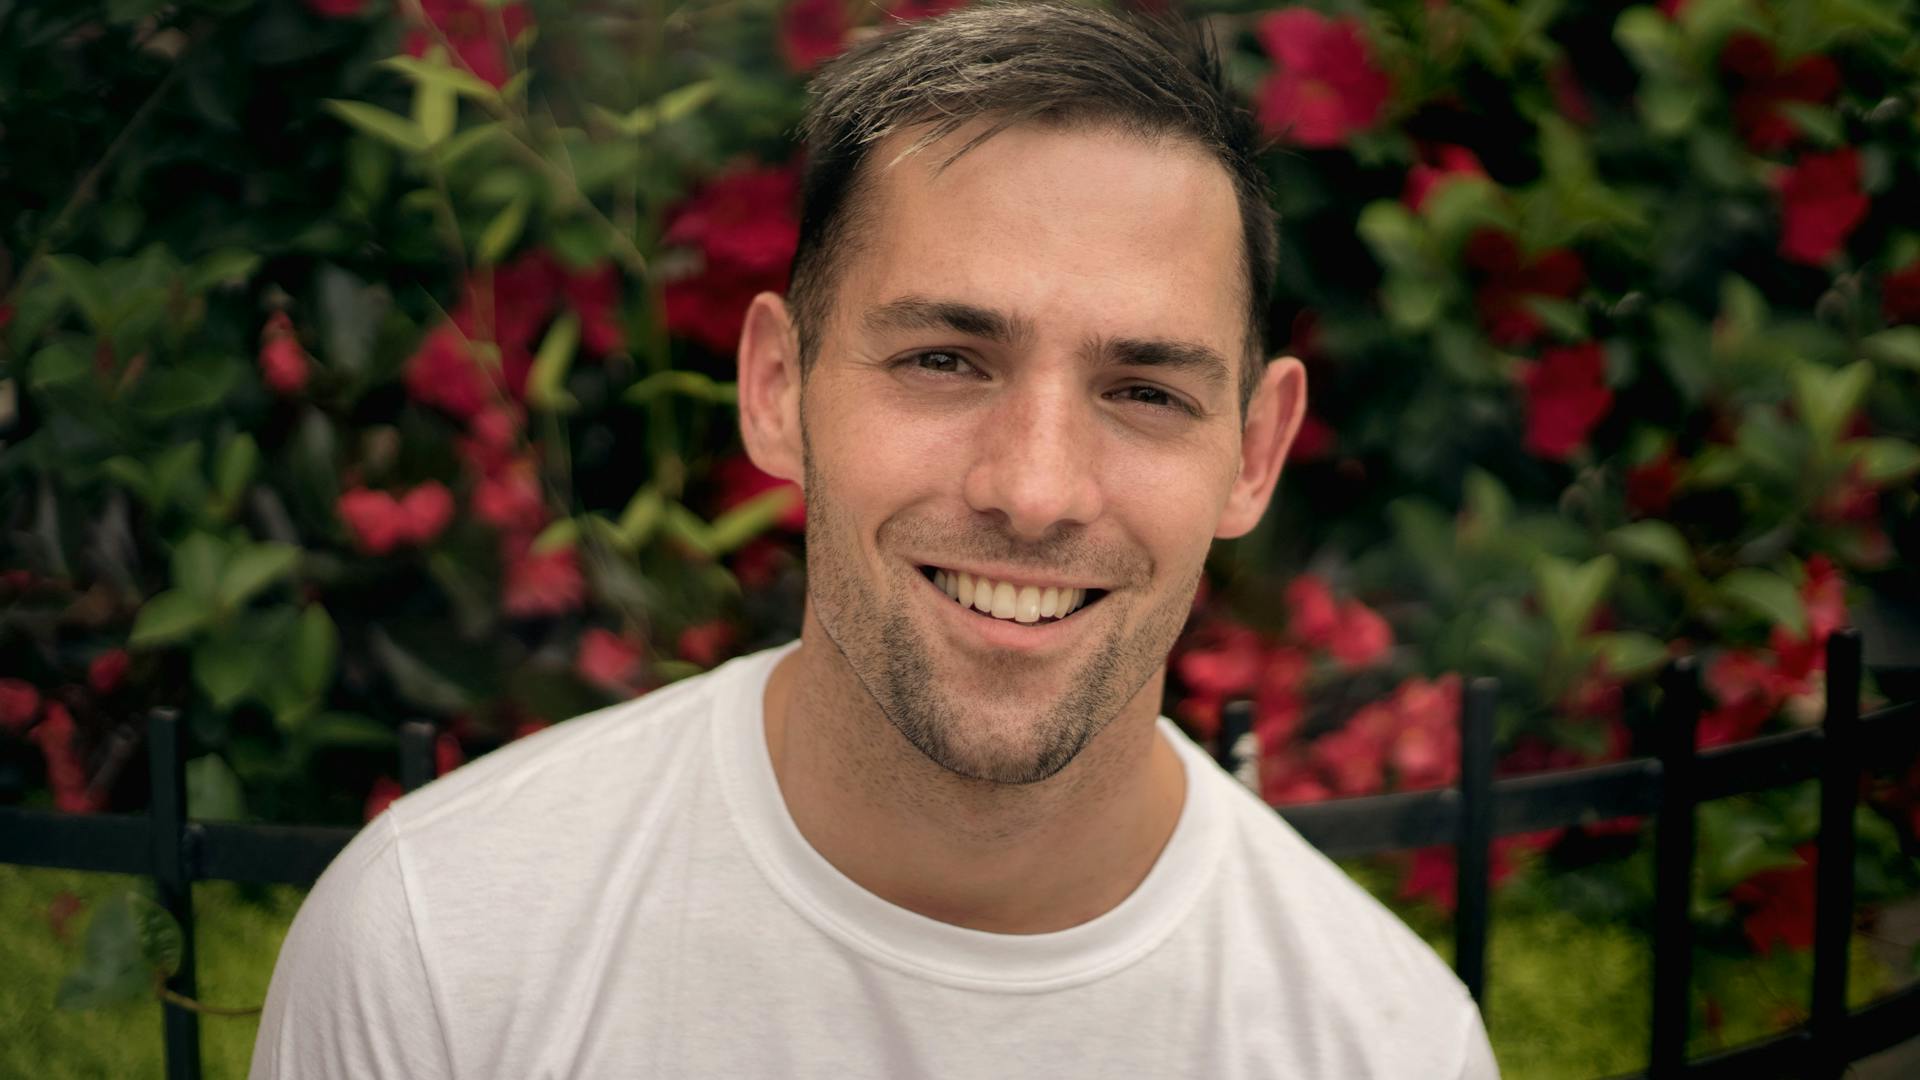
x=175 y=852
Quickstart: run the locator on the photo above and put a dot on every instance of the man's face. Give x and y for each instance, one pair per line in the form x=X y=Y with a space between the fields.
x=1028 y=378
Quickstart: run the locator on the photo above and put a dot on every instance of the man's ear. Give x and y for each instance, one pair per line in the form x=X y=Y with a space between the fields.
x=770 y=388
x=1273 y=419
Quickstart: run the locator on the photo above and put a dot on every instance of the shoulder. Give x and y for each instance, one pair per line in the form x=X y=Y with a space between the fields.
x=1364 y=979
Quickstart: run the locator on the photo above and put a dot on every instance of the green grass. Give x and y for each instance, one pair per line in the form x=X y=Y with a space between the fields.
x=1565 y=998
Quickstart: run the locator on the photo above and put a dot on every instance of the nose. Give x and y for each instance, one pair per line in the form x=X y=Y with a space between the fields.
x=1035 y=460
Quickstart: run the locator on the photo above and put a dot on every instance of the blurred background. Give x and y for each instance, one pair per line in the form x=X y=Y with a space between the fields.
x=365 y=361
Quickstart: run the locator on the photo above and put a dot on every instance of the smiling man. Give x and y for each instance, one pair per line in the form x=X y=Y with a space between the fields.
x=1020 y=376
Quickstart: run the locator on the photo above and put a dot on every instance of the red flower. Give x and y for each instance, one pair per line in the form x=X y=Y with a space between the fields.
x=1900 y=294
x=1361 y=638
x=1568 y=95
x=1778 y=904
x=1650 y=486
x=1509 y=278
x=1566 y=396
x=1353 y=759
x=812 y=31
x=1222 y=660
x=19 y=704
x=509 y=498
x=443 y=373
x=1433 y=874
x=609 y=660
x=1286 y=779
x=1438 y=162
x=469 y=27
x=283 y=363
x=385 y=790
x=595 y=296
x=705 y=644
x=738 y=479
x=745 y=225
x=544 y=583
x=1325 y=86
x=380 y=523
x=1757 y=115
x=1823 y=596
x=1748 y=690
x=447 y=755
x=1312 y=615
x=66 y=773
x=107 y=671
x=1423 y=735
x=1820 y=204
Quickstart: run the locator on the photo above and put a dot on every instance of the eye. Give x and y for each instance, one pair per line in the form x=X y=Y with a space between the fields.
x=1151 y=395
x=939 y=362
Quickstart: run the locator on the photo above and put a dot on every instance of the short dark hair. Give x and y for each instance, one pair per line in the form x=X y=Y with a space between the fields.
x=1011 y=63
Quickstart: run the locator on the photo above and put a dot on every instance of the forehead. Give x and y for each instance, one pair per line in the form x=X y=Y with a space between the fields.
x=1087 y=228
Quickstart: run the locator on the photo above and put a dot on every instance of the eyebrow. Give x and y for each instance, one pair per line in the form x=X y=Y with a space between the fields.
x=924 y=313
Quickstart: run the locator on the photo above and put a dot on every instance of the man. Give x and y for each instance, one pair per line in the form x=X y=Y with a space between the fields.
x=1020 y=379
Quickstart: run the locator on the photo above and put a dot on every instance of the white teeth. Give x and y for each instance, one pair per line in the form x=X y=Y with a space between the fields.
x=1003 y=600
x=1026 y=606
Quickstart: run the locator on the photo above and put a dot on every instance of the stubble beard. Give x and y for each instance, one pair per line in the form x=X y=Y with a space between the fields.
x=899 y=667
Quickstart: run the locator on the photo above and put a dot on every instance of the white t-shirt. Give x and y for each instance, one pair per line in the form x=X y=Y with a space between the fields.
x=625 y=895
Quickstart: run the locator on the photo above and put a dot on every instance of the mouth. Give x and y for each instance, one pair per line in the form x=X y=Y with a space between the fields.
x=1025 y=603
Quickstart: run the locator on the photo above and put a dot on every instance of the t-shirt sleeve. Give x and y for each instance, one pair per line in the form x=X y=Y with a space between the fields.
x=1478 y=1063
x=350 y=995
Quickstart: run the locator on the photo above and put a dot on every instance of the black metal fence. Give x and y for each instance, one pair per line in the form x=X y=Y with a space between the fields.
x=176 y=852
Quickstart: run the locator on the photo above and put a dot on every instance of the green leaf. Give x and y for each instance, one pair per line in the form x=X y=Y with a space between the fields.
x=436 y=104
x=235 y=469
x=175 y=471
x=687 y=528
x=82 y=283
x=1629 y=655
x=345 y=731
x=1826 y=397
x=1394 y=235
x=197 y=563
x=751 y=518
x=1569 y=594
x=228 y=266
x=1412 y=302
x=1564 y=317
x=674 y=381
x=433 y=70
x=1817 y=122
x=113 y=968
x=563 y=533
x=504 y=230
x=546 y=383
x=638 y=519
x=316 y=645
x=1883 y=461
x=253 y=569
x=213 y=791
x=168 y=617
x=226 y=667
x=417 y=681
x=456 y=149
x=58 y=365
x=1670 y=106
x=1653 y=541
x=1737 y=843
x=1767 y=595
x=394 y=130
x=1487 y=502
x=161 y=944
x=1899 y=346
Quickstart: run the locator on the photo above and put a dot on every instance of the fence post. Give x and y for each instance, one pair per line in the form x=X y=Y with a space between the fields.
x=416 y=754
x=167 y=824
x=1473 y=837
x=1833 y=898
x=1673 y=870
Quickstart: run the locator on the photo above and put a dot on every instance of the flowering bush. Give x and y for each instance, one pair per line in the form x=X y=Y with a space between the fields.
x=365 y=360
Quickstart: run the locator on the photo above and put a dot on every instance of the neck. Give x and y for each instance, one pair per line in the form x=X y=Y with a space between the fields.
x=1015 y=859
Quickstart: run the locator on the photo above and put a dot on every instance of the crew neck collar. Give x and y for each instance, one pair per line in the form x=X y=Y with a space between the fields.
x=927 y=948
